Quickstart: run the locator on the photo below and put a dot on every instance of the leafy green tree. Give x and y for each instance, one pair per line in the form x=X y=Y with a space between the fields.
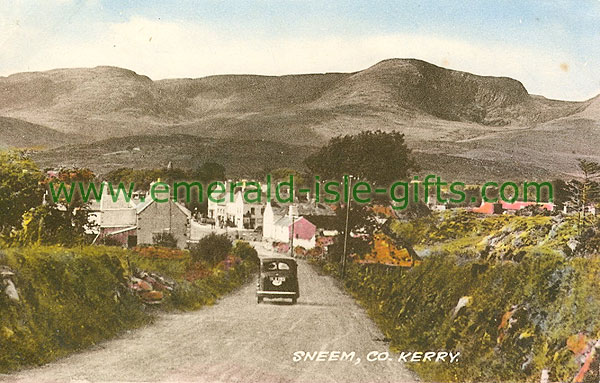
x=212 y=249
x=142 y=178
x=51 y=225
x=20 y=189
x=245 y=251
x=377 y=156
x=362 y=224
x=283 y=174
x=62 y=222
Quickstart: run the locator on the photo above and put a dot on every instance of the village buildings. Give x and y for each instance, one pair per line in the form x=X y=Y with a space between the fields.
x=139 y=220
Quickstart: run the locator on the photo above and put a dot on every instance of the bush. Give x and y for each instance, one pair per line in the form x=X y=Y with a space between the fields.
x=170 y=262
x=109 y=241
x=164 y=240
x=245 y=251
x=212 y=249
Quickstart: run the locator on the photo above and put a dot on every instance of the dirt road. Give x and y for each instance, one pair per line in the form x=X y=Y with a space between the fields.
x=238 y=340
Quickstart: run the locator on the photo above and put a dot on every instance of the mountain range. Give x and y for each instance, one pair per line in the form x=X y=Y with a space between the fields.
x=458 y=124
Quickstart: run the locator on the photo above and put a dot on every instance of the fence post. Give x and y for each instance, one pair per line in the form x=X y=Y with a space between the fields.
x=545 y=376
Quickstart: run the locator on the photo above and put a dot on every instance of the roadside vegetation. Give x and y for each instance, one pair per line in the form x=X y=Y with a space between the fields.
x=59 y=295
x=71 y=298
x=513 y=294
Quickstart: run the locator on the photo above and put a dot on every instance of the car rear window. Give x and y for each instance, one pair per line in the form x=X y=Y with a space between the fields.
x=274 y=265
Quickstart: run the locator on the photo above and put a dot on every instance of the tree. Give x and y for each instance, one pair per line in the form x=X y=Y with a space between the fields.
x=142 y=178
x=20 y=189
x=561 y=193
x=402 y=237
x=585 y=191
x=414 y=210
x=283 y=174
x=245 y=251
x=213 y=248
x=53 y=225
x=362 y=224
x=376 y=156
x=209 y=172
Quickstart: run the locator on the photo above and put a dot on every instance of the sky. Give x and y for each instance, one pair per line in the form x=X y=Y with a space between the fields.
x=551 y=46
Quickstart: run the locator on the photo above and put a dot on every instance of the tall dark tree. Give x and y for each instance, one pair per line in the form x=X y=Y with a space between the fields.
x=376 y=156
x=560 y=189
x=586 y=190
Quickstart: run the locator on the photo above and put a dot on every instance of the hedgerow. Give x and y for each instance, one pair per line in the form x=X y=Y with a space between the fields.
x=69 y=299
x=72 y=298
x=519 y=314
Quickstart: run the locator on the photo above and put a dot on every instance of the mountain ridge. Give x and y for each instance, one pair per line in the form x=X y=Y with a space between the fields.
x=106 y=101
x=440 y=111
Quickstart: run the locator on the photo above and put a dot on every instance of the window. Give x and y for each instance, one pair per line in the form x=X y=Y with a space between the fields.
x=272 y=266
x=283 y=266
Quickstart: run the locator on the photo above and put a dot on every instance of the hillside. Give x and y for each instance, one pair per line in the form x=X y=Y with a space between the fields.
x=16 y=133
x=104 y=102
x=250 y=158
x=240 y=158
x=442 y=112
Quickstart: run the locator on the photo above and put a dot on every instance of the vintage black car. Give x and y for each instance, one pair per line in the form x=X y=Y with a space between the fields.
x=278 y=278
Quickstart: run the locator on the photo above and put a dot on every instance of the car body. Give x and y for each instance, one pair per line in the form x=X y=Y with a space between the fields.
x=278 y=278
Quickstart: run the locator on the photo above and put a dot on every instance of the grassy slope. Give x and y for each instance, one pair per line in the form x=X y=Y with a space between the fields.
x=555 y=297
x=70 y=299
x=73 y=298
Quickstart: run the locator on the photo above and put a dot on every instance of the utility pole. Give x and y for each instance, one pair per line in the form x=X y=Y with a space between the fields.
x=346 y=229
x=292 y=212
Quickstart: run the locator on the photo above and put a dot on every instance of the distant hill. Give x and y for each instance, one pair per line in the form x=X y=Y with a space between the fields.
x=441 y=111
x=240 y=157
x=246 y=158
x=16 y=133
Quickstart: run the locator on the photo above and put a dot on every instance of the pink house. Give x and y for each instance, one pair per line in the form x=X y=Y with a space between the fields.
x=304 y=233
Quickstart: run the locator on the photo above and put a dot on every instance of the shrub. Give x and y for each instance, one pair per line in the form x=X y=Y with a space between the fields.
x=245 y=251
x=109 y=241
x=212 y=249
x=164 y=240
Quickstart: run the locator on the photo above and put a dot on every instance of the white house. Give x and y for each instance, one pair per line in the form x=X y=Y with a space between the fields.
x=280 y=228
x=239 y=213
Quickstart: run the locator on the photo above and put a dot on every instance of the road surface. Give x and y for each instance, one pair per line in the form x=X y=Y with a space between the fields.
x=238 y=340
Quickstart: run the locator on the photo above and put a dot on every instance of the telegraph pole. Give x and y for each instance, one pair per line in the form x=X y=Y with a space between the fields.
x=346 y=230
x=292 y=212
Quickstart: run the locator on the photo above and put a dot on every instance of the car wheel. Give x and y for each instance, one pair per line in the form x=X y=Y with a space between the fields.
x=294 y=300
x=259 y=299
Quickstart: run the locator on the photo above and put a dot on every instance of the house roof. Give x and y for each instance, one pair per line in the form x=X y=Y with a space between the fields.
x=284 y=221
x=142 y=206
x=488 y=207
x=121 y=231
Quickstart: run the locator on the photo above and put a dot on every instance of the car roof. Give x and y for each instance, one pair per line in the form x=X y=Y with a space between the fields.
x=278 y=259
